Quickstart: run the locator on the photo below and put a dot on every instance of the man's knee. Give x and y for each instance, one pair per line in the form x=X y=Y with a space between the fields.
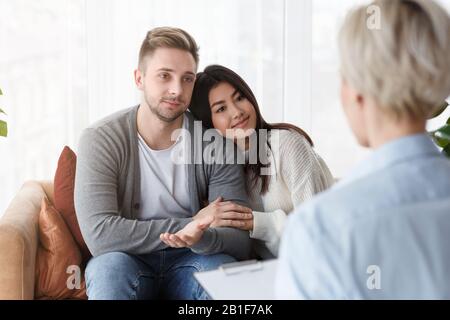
x=192 y=289
x=111 y=276
x=109 y=263
x=211 y=262
x=181 y=283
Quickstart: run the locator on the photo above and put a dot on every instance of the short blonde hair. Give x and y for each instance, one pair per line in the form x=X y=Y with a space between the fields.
x=167 y=37
x=404 y=65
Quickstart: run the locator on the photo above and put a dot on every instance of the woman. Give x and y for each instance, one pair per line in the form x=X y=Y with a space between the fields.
x=380 y=233
x=292 y=172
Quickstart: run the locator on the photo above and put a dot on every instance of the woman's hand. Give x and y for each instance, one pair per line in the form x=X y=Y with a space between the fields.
x=217 y=214
x=227 y=214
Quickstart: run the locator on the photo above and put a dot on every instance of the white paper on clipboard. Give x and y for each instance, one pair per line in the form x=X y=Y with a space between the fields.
x=247 y=280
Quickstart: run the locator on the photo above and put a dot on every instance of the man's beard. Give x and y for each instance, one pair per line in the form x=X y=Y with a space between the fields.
x=164 y=114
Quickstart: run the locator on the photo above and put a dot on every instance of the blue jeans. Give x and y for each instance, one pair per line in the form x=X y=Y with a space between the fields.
x=166 y=274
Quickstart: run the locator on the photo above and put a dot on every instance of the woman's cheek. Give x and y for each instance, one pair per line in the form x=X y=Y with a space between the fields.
x=252 y=112
x=220 y=124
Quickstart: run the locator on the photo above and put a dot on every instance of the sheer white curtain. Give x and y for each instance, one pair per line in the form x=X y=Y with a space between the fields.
x=244 y=35
x=43 y=77
x=66 y=63
x=334 y=140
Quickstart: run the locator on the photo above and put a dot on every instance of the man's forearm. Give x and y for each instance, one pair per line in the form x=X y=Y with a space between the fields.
x=113 y=233
x=234 y=242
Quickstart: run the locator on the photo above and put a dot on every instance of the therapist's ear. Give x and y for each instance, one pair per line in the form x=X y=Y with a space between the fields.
x=349 y=96
x=360 y=101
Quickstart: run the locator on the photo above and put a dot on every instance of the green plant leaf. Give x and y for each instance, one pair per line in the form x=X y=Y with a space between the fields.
x=448 y=121
x=442 y=136
x=446 y=151
x=439 y=110
x=3 y=129
x=441 y=142
x=1 y=111
x=443 y=132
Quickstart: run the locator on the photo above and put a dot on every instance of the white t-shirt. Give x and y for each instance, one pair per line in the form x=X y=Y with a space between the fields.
x=164 y=183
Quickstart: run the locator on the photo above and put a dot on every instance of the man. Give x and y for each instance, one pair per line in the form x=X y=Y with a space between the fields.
x=129 y=190
x=383 y=232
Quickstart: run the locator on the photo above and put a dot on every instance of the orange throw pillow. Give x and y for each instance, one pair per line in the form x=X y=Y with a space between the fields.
x=64 y=185
x=58 y=260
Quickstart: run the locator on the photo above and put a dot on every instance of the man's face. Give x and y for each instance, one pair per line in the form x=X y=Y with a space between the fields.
x=167 y=82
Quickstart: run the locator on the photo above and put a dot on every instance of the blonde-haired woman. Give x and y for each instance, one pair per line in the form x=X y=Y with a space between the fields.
x=383 y=231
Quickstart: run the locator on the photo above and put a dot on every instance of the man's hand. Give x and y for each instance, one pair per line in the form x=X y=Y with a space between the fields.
x=189 y=235
x=227 y=214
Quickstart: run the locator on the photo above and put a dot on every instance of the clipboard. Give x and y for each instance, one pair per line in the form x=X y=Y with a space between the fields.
x=246 y=280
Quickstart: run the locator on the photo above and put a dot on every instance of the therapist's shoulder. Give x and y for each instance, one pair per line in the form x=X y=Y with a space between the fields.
x=330 y=210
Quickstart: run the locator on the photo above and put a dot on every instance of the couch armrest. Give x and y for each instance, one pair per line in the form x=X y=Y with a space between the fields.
x=19 y=241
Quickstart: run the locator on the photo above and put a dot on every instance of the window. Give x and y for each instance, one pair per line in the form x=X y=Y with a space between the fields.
x=334 y=140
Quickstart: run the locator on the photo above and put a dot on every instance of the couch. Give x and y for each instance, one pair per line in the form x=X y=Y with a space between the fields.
x=19 y=240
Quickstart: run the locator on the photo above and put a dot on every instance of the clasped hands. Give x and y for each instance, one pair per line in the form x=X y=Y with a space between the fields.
x=218 y=213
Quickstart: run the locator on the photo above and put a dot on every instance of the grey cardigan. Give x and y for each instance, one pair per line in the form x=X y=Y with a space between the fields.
x=107 y=192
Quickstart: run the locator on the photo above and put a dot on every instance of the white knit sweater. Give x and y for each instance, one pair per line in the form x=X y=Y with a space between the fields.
x=298 y=173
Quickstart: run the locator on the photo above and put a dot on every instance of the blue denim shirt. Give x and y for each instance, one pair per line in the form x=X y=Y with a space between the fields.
x=381 y=233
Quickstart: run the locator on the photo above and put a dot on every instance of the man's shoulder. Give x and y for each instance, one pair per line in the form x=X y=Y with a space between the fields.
x=110 y=131
x=117 y=119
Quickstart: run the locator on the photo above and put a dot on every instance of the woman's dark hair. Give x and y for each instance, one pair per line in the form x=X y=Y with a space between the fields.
x=211 y=77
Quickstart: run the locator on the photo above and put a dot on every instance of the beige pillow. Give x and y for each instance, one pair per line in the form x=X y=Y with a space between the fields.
x=58 y=260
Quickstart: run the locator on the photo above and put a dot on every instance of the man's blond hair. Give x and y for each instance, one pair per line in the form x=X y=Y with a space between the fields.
x=167 y=37
x=404 y=64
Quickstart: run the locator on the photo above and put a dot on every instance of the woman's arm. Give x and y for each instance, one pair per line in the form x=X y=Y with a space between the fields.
x=301 y=168
x=303 y=172
x=268 y=226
